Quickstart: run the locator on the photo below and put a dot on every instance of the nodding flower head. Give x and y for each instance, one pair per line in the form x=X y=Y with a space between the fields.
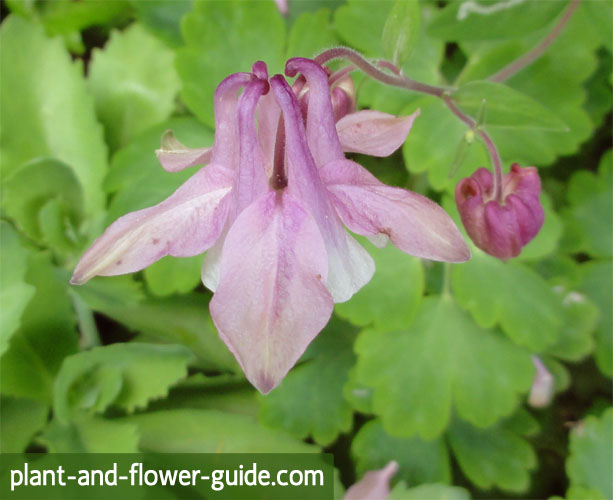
x=270 y=209
x=501 y=227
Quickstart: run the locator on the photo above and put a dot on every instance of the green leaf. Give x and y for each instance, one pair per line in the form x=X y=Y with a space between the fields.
x=210 y=431
x=509 y=294
x=591 y=455
x=223 y=38
x=311 y=34
x=361 y=25
x=580 y=319
x=162 y=18
x=173 y=275
x=125 y=375
x=58 y=233
x=420 y=461
x=560 y=373
x=228 y=393
x=21 y=419
x=432 y=144
x=28 y=190
x=90 y=434
x=429 y=491
x=401 y=31
x=54 y=116
x=15 y=293
x=310 y=401
x=591 y=197
x=357 y=393
x=133 y=82
x=67 y=18
x=491 y=20
x=492 y=457
x=24 y=8
x=596 y=284
x=601 y=16
x=444 y=347
x=390 y=299
x=177 y=320
x=506 y=107
x=46 y=336
x=136 y=177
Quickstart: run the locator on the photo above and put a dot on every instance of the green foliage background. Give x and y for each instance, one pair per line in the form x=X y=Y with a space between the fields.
x=426 y=365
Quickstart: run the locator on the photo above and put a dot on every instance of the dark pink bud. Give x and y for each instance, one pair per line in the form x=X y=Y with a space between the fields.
x=501 y=228
x=343 y=97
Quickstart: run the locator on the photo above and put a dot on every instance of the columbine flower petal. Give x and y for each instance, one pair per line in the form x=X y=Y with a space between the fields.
x=414 y=223
x=350 y=266
x=225 y=150
x=250 y=180
x=185 y=224
x=175 y=156
x=373 y=133
x=375 y=485
x=272 y=301
x=320 y=127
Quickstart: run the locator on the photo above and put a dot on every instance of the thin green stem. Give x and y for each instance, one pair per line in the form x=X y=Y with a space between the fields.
x=446 y=290
x=86 y=322
x=397 y=79
x=489 y=143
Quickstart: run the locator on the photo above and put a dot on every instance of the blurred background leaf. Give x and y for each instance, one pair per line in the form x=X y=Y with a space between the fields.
x=133 y=83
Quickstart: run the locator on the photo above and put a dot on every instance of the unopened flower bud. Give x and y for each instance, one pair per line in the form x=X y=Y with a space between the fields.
x=501 y=227
x=343 y=97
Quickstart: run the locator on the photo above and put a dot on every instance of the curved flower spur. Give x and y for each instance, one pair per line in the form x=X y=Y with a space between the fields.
x=271 y=207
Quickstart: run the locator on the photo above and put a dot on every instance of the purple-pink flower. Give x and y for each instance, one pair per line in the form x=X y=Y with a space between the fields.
x=501 y=227
x=271 y=208
x=375 y=485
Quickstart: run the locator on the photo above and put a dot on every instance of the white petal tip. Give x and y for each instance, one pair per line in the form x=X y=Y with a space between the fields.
x=265 y=384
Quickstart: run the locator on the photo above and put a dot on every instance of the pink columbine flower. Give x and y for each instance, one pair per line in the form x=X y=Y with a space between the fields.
x=270 y=208
x=375 y=485
x=501 y=228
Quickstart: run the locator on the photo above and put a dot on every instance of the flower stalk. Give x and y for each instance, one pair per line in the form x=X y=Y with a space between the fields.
x=532 y=55
x=398 y=79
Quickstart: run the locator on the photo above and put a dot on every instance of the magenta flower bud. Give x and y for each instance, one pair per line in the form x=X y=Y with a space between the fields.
x=501 y=227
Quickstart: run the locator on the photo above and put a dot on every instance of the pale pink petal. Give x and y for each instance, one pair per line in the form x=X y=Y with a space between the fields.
x=271 y=301
x=268 y=114
x=251 y=181
x=175 y=156
x=375 y=485
x=320 y=127
x=185 y=224
x=373 y=133
x=543 y=385
x=225 y=150
x=211 y=267
x=414 y=223
x=350 y=266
